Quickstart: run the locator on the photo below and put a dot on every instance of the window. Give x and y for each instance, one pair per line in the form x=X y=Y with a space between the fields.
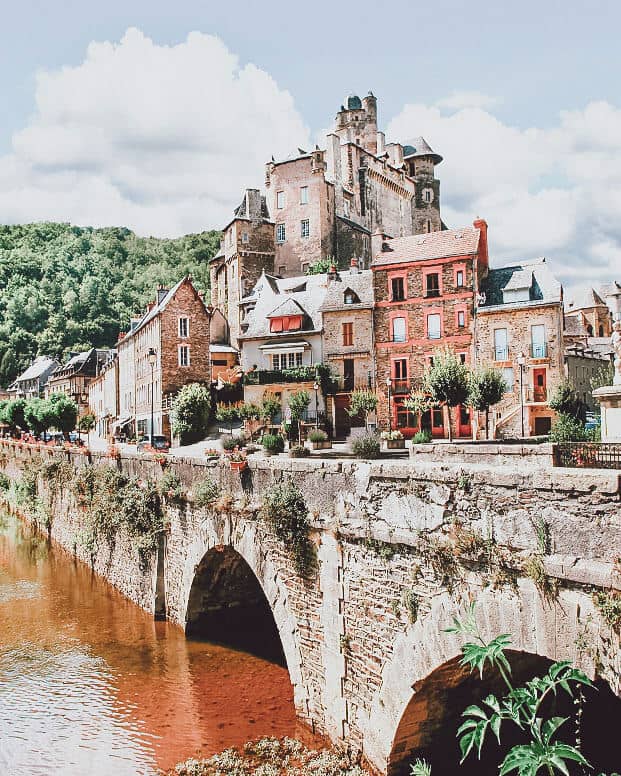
x=245 y=237
x=280 y=233
x=346 y=208
x=428 y=226
x=432 y=284
x=462 y=358
x=184 y=327
x=305 y=267
x=538 y=341
x=286 y=360
x=280 y=199
x=276 y=324
x=433 y=326
x=397 y=289
x=461 y=318
x=348 y=334
x=428 y=195
x=282 y=269
x=459 y=278
x=507 y=373
x=501 y=349
x=304 y=227
x=398 y=330
x=303 y=195
x=184 y=355
x=400 y=369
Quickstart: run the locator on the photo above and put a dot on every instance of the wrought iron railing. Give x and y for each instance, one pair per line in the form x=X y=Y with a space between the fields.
x=500 y=353
x=536 y=395
x=588 y=455
x=270 y=376
x=539 y=350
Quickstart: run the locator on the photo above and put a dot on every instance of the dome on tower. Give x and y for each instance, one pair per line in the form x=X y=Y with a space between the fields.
x=353 y=102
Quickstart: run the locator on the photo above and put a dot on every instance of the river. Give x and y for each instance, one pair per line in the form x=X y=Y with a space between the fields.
x=90 y=684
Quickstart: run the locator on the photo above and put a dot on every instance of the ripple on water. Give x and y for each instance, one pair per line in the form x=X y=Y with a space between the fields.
x=65 y=700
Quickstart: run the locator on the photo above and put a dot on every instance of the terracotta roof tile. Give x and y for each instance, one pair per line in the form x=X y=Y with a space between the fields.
x=434 y=245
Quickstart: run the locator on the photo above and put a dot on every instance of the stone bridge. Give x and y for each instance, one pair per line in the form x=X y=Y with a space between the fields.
x=402 y=548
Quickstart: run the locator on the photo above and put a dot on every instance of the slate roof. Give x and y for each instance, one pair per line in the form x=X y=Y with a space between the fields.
x=574 y=326
x=361 y=283
x=270 y=293
x=39 y=367
x=241 y=211
x=611 y=289
x=585 y=298
x=157 y=309
x=420 y=147
x=288 y=307
x=545 y=288
x=434 y=245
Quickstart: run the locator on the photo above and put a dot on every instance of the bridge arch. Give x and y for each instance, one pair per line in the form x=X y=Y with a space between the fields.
x=424 y=691
x=231 y=554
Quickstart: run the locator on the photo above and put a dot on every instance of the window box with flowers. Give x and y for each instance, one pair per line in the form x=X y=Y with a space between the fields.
x=238 y=461
x=393 y=440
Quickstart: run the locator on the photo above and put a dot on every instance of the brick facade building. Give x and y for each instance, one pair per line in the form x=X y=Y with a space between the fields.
x=176 y=327
x=425 y=288
x=519 y=330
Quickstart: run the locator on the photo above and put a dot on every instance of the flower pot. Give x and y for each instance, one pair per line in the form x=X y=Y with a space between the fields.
x=324 y=445
x=394 y=444
x=238 y=465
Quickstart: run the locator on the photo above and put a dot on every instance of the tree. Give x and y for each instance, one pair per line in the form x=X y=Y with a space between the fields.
x=228 y=413
x=38 y=415
x=487 y=387
x=14 y=414
x=63 y=412
x=566 y=401
x=448 y=381
x=86 y=424
x=298 y=404
x=191 y=410
x=362 y=401
x=270 y=406
x=321 y=266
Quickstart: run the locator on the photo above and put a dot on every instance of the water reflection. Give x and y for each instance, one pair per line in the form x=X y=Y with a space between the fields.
x=89 y=683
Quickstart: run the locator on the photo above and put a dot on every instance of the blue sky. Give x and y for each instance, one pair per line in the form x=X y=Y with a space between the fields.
x=521 y=99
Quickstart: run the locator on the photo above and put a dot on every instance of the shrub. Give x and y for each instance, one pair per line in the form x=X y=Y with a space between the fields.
x=231 y=442
x=273 y=443
x=285 y=510
x=567 y=429
x=609 y=605
x=206 y=492
x=367 y=446
x=170 y=487
x=362 y=402
x=318 y=435
x=566 y=401
x=448 y=380
x=190 y=411
x=421 y=437
x=391 y=435
x=298 y=451
x=5 y=482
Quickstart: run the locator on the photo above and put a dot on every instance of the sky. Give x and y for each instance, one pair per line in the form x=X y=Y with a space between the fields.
x=157 y=115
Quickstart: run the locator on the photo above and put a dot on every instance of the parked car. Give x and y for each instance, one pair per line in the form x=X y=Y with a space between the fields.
x=159 y=443
x=52 y=436
x=593 y=421
x=75 y=438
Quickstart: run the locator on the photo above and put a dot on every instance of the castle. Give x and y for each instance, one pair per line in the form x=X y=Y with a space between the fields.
x=333 y=202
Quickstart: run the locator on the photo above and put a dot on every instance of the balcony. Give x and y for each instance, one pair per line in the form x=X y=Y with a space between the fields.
x=299 y=374
x=346 y=384
x=539 y=350
x=500 y=354
x=536 y=395
x=400 y=386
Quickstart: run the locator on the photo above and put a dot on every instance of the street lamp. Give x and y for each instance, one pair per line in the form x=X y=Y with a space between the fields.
x=521 y=359
x=316 y=388
x=152 y=358
x=389 y=386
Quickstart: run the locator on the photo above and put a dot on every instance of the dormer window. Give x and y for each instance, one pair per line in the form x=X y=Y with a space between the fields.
x=350 y=297
x=286 y=323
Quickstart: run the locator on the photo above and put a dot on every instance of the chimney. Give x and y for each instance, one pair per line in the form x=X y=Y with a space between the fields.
x=379 y=243
x=354 y=267
x=381 y=143
x=483 y=255
x=253 y=204
x=151 y=305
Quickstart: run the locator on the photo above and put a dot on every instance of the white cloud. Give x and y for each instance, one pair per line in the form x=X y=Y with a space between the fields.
x=163 y=139
x=553 y=192
x=459 y=100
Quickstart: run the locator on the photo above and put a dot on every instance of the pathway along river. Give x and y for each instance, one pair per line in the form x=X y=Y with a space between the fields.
x=90 y=684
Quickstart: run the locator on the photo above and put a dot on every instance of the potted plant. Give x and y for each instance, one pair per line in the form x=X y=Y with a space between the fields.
x=318 y=440
x=299 y=451
x=211 y=453
x=273 y=444
x=238 y=461
x=233 y=442
x=393 y=440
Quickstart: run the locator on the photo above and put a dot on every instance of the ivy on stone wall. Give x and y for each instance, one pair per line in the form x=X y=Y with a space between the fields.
x=285 y=510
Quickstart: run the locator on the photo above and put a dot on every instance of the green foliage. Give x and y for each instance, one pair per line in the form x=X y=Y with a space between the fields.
x=520 y=706
x=318 y=435
x=603 y=375
x=228 y=413
x=63 y=412
x=38 y=415
x=13 y=413
x=321 y=266
x=566 y=428
x=190 y=411
x=534 y=568
x=566 y=401
x=421 y=437
x=171 y=487
x=367 y=446
x=26 y=488
x=273 y=443
x=420 y=768
x=86 y=423
x=609 y=605
x=410 y=602
x=448 y=380
x=285 y=510
x=66 y=288
x=270 y=406
x=206 y=492
x=5 y=482
x=419 y=402
x=487 y=387
x=362 y=402
x=298 y=404
x=235 y=440
x=298 y=451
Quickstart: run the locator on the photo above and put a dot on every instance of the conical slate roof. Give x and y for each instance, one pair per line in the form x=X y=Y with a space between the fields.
x=420 y=147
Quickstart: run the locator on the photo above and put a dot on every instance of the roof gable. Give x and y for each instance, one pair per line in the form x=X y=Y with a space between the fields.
x=432 y=245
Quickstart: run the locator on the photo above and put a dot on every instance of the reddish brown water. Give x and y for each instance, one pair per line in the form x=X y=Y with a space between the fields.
x=90 y=684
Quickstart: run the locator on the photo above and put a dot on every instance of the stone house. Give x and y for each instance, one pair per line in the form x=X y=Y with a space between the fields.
x=347 y=317
x=175 y=327
x=584 y=369
x=103 y=395
x=32 y=381
x=74 y=377
x=424 y=288
x=281 y=340
x=519 y=330
x=592 y=312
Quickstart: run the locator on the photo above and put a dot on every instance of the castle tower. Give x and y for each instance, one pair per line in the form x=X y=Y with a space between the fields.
x=420 y=161
x=356 y=122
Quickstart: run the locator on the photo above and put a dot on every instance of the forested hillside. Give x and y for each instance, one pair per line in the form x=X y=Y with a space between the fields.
x=67 y=288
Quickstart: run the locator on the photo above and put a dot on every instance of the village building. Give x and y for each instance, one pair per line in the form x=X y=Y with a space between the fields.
x=592 y=312
x=281 y=340
x=326 y=203
x=347 y=318
x=103 y=395
x=611 y=293
x=74 y=377
x=424 y=288
x=31 y=383
x=587 y=369
x=163 y=351
x=519 y=330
